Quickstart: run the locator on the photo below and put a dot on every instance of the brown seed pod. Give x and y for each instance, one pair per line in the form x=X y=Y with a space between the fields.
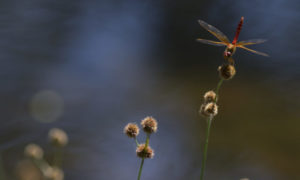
x=149 y=124
x=34 y=151
x=131 y=130
x=143 y=152
x=226 y=71
x=58 y=137
x=209 y=96
x=202 y=112
x=211 y=109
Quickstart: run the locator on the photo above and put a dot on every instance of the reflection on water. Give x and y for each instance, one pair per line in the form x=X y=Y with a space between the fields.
x=111 y=63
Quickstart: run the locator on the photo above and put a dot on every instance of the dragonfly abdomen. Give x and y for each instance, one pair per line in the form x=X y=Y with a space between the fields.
x=238 y=30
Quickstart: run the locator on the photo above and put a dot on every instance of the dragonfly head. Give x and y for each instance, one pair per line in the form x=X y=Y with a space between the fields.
x=227 y=54
x=230 y=50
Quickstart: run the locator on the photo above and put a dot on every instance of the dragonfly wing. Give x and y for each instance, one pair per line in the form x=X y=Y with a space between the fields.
x=215 y=43
x=252 y=41
x=217 y=33
x=251 y=50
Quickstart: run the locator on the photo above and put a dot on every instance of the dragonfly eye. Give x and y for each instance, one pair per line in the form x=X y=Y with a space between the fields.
x=227 y=53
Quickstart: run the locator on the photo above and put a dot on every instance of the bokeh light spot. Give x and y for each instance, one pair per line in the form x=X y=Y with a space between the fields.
x=46 y=106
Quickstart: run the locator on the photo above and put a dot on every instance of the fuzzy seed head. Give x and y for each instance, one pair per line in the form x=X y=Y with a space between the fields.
x=131 y=130
x=226 y=71
x=209 y=96
x=34 y=151
x=149 y=124
x=58 y=137
x=53 y=173
x=143 y=152
x=211 y=109
x=202 y=112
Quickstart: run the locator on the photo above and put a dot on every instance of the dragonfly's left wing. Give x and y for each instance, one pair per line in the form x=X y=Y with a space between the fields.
x=217 y=33
x=251 y=50
x=251 y=42
x=215 y=43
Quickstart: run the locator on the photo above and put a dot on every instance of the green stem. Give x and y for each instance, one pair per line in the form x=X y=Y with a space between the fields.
x=57 y=159
x=142 y=163
x=218 y=89
x=136 y=142
x=147 y=140
x=205 y=147
x=141 y=167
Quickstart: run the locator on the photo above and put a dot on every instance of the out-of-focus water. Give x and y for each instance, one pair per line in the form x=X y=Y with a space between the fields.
x=105 y=63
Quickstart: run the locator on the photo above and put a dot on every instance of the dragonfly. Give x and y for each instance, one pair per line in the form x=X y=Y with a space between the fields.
x=224 y=41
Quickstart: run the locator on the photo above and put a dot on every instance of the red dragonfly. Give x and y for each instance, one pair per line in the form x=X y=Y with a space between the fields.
x=231 y=47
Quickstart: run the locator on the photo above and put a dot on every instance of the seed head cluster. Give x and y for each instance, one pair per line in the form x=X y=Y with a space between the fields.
x=149 y=126
x=49 y=171
x=209 y=107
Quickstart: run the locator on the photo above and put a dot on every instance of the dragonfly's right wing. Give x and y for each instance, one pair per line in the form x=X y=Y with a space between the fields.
x=215 y=43
x=253 y=51
x=217 y=33
x=251 y=42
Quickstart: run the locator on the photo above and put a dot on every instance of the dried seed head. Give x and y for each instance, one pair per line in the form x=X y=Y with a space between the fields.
x=131 y=130
x=53 y=173
x=209 y=96
x=211 y=109
x=226 y=71
x=34 y=151
x=143 y=152
x=58 y=137
x=149 y=124
x=202 y=112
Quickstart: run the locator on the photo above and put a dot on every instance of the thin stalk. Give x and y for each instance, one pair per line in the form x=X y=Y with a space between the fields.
x=142 y=163
x=136 y=142
x=57 y=159
x=147 y=140
x=218 y=89
x=205 y=147
x=141 y=167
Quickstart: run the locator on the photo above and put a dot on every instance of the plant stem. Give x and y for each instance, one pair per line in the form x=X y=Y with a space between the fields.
x=136 y=142
x=205 y=147
x=57 y=159
x=218 y=89
x=141 y=167
x=147 y=140
x=142 y=163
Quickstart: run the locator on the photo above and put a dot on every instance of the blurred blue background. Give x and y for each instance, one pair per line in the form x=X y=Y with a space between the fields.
x=105 y=63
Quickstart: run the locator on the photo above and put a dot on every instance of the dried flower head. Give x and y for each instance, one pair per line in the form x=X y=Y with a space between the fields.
x=209 y=96
x=211 y=109
x=149 y=124
x=58 y=137
x=226 y=71
x=202 y=112
x=53 y=173
x=143 y=152
x=131 y=130
x=34 y=151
